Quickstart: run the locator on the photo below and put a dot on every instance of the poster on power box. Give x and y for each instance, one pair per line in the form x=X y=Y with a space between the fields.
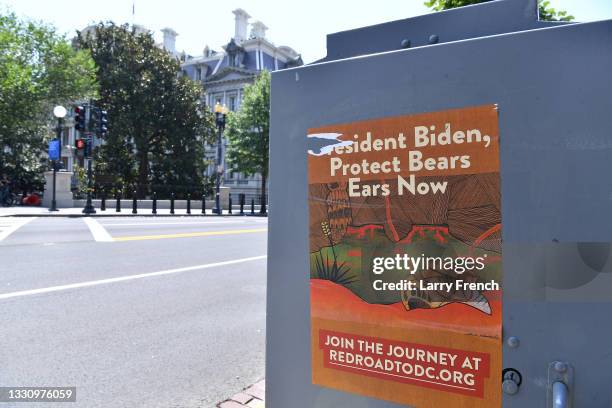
x=405 y=258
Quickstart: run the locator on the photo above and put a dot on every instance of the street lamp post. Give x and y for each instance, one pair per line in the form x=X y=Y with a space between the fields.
x=220 y=113
x=59 y=112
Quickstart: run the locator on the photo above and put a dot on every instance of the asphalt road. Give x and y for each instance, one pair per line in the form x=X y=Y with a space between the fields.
x=134 y=312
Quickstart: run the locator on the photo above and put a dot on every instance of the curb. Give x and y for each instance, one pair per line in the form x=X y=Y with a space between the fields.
x=250 y=397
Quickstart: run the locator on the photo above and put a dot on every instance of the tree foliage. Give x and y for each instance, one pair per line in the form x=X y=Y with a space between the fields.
x=38 y=70
x=248 y=131
x=546 y=12
x=157 y=128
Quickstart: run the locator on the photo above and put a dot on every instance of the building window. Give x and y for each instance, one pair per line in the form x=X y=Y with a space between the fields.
x=198 y=74
x=232 y=103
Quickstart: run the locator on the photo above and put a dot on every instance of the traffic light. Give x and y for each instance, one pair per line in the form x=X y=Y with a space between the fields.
x=88 y=147
x=84 y=147
x=79 y=118
x=79 y=144
x=103 y=123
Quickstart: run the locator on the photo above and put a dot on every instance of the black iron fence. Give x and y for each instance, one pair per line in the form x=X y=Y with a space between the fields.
x=162 y=191
x=181 y=200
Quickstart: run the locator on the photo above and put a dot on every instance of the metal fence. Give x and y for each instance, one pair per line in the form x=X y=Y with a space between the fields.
x=192 y=201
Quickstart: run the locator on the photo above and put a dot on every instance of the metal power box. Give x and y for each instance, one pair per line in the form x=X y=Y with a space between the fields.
x=551 y=87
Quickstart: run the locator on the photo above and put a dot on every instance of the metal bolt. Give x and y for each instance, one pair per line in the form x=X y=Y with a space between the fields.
x=510 y=387
x=405 y=43
x=513 y=342
x=433 y=39
x=560 y=367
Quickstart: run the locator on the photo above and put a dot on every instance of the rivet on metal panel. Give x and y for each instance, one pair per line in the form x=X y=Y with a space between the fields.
x=405 y=43
x=513 y=342
x=433 y=39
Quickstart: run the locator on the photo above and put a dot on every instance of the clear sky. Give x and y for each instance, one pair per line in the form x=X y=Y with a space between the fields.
x=300 y=24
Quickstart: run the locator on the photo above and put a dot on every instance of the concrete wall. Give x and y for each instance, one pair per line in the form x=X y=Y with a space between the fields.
x=63 y=194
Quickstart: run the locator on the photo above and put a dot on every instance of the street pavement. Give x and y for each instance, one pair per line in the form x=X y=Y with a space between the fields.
x=133 y=311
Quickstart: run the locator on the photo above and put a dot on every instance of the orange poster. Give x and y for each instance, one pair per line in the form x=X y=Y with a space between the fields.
x=405 y=258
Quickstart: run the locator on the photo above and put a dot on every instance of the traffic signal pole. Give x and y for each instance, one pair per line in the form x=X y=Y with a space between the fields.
x=84 y=116
x=89 y=208
x=84 y=125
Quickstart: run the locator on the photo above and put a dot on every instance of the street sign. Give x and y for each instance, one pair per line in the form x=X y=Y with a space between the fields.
x=54 y=149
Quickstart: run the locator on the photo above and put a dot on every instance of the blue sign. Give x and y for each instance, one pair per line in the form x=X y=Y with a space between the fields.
x=54 y=149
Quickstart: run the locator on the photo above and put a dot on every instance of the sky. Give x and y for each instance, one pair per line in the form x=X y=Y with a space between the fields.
x=300 y=24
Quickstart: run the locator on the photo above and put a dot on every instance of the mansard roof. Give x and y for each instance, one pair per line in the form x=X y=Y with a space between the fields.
x=230 y=74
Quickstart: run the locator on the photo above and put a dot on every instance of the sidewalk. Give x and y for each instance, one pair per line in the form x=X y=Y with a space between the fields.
x=19 y=211
x=252 y=397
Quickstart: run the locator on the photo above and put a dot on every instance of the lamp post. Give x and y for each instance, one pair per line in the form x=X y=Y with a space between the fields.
x=220 y=114
x=59 y=112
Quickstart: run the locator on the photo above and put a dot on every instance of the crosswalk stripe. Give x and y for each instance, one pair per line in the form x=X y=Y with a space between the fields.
x=10 y=225
x=98 y=232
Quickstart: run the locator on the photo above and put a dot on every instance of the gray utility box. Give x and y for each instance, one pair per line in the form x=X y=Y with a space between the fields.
x=553 y=89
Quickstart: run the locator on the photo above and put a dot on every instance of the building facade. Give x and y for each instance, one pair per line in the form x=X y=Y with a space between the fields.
x=224 y=74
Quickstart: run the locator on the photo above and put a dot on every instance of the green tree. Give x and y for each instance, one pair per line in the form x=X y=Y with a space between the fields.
x=157 y=128
x=38 y=70
x=547 y=13
x=248 y=131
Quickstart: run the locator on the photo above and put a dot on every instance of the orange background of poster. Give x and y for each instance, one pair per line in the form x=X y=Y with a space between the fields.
x=454 y=326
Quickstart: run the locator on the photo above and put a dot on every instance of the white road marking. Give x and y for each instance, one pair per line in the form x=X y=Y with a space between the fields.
x=97 y=230
x=10 y=225
x=132 y=224
x=126 y=278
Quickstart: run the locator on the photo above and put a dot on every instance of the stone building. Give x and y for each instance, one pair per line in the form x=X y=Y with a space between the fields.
x=224 y=74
